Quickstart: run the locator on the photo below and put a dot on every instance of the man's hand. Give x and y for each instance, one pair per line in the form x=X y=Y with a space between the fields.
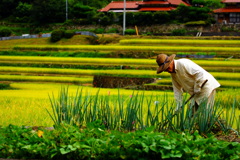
x=197 y=90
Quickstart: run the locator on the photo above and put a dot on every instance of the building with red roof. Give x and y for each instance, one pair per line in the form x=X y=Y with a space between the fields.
x=230 y=13
x=144 y=5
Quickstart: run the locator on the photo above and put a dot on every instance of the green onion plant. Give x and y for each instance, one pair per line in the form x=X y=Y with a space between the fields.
x=137 y=112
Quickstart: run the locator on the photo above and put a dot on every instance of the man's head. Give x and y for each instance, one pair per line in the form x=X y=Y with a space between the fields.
x=163 y=62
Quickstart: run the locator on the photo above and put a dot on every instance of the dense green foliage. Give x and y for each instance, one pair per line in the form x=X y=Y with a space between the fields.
x=68 y=34
x=4 y=85
x=5 y=32
x=130 y=31
x=59 y=34
x=93 y=142
x=179 y=32
x=56 y=35
x=86 y=12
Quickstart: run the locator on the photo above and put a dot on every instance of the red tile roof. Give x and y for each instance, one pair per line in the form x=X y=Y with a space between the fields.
x=152 y=2
x=227 y=10
x=134 y=5
x=178 y=2
x=174 y=2
x=157 y=9
x=119 y=5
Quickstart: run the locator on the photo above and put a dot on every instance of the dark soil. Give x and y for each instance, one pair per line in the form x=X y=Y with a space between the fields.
x=231 y=137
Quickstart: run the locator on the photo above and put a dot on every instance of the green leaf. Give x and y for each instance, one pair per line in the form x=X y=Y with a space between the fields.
x=176 y=154
x=63 y=151
x=145 y=147
x=186 y=149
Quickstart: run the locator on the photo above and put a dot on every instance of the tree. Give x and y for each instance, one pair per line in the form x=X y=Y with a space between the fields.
x=48 y=11
x=7 y=7
x=161 y=17
x=212 y=4
x=193 y=13
x=82 y=14
x=22 y=13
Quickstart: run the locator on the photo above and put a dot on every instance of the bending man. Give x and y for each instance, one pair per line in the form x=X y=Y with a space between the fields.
x=188 y=77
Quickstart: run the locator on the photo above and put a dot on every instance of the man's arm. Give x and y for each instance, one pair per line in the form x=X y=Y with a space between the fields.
x=178 y=93
x=198 y=73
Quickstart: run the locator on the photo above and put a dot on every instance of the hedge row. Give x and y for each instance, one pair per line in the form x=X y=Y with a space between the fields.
x=57 y=35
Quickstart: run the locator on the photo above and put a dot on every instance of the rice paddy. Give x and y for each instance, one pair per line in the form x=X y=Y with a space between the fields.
x=127 y=48
x=27 y=103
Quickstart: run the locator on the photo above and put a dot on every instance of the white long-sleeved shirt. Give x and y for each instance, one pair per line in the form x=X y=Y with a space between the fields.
x=189 y=77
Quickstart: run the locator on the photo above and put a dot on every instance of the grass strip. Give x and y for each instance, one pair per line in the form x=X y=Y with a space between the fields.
x=45 y=79
x=127 y=48
x=108 y=61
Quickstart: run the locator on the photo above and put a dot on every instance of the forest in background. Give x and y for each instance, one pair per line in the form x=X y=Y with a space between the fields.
x=85 y=12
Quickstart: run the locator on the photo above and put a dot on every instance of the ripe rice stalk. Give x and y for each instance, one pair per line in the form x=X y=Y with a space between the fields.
x=229 y=83
x=107 y=61
x=178 y=41
x=76 y=60
x=120 y=73
x=127 y=48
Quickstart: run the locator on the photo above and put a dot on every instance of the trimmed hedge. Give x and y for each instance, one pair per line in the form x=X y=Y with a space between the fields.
x=56 y=35
x=130 y=31
x=69 y=34
x=4 y=85
x=5 y=32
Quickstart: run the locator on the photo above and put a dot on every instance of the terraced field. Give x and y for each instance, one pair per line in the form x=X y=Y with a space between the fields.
x=30 y=65
x=81 y=70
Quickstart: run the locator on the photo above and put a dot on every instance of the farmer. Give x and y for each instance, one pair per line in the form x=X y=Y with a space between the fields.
x=188 y=77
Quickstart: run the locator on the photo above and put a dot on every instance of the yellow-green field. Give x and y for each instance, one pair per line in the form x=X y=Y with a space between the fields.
x=27 y=103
